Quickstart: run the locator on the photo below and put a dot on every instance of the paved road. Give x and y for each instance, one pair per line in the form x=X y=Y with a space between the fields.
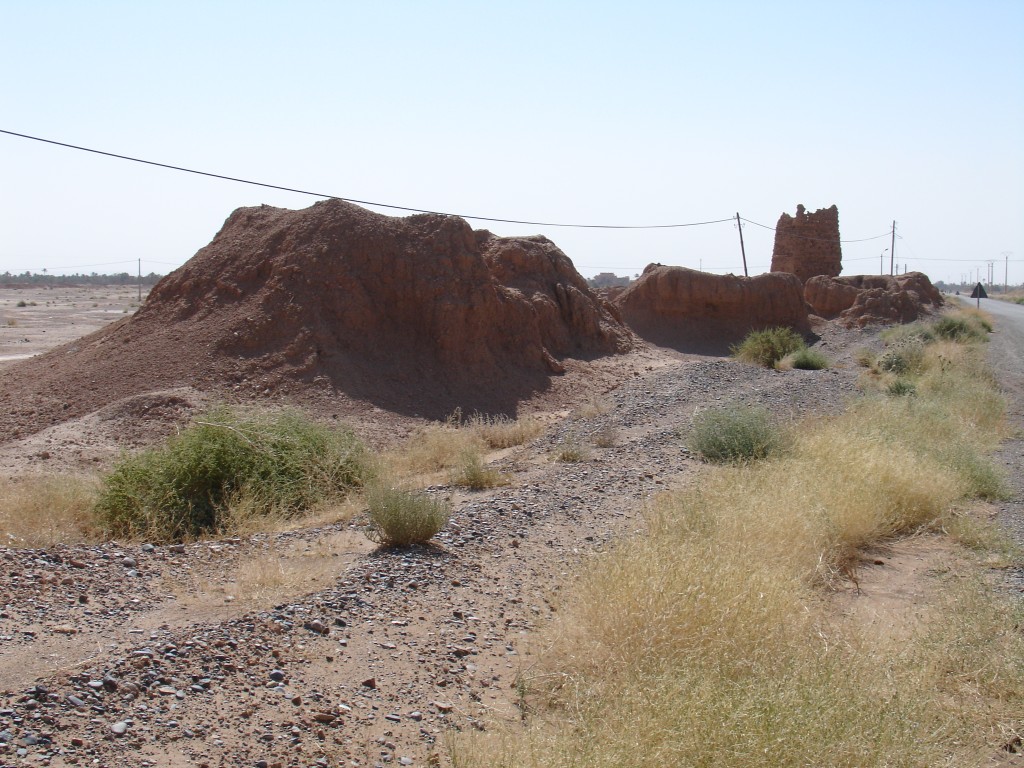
x=1006 y=356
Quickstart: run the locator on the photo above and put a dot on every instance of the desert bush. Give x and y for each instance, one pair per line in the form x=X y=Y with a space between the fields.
x=473 y=473
x=398 y=517
x=606 y=436
x=767 y=347
x=437 y=447
x=21 y=304
x=904 y=358
x=901 y=388
x=864 y=357
x=960 y=327
x=502 y=432
x=276 y=464
x=571 y=450
x=735 y=433
x=805 y=359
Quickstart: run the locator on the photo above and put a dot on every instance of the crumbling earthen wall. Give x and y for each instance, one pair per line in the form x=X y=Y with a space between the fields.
x=700 y=312
x=807 y=244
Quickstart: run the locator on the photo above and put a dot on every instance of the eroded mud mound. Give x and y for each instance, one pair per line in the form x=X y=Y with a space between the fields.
x=860 y=300
x=418 y=315
x=699 y=312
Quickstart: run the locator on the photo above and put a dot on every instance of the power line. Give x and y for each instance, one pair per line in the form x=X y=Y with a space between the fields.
x=363 y=202
x=822 y=239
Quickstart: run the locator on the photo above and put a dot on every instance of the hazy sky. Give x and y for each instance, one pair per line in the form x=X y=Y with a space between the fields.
x=580 y=112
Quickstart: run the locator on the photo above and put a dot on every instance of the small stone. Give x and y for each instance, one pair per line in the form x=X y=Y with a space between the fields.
x=442 y=707
x=277 y=675
x=74 y=701
x=325 y=717
x=129 y=562
x=119 y=728
x=370 y=682
x=416 y=716
x=393 y=718
x=147 y=548
x=318 y=627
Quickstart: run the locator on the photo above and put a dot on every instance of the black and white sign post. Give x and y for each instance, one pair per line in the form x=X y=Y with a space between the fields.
x=979 y=293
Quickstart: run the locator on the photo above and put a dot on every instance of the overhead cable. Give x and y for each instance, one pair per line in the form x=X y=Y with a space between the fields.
x=823 y=239
x=365 y=202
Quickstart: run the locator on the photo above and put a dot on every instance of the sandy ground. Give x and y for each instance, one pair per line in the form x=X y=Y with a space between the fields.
x=54 y=316
x=311 y=647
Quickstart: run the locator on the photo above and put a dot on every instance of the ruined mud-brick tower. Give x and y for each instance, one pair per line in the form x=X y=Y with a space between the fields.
x=808 y=244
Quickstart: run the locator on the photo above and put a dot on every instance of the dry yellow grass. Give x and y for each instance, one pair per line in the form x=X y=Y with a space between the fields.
x=459 y=448
x=711 y=642
x=39 y=511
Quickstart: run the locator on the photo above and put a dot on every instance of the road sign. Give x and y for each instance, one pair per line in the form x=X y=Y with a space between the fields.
x=979 y=294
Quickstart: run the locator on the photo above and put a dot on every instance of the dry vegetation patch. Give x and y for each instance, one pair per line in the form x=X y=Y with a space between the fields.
x=43 y=510
x=712 y=639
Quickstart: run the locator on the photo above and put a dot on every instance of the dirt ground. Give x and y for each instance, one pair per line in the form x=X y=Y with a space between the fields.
x=312 y=648
x=50 y=317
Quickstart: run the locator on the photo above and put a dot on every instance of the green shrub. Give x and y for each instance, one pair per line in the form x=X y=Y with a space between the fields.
x=399 y=517
x=21 y=304
x=806 y=360
x=767 y=347
x=902 y=359
x=902 y=388
x=959 y=328
x=280 y=464
x=736 y=433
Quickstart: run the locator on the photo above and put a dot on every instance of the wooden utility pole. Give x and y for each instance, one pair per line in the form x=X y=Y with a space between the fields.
x=140 y=281
x=892 y=249
x=743 y=250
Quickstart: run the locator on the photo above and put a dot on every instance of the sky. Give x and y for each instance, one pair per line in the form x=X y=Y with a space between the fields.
x=602 y=113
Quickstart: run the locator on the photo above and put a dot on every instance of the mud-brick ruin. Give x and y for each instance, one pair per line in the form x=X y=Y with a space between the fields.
x=807 y=244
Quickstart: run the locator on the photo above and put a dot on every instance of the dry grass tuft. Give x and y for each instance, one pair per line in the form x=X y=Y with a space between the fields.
x=500 y=432
x=592 y=408
x=39 y=511
x=458 y=447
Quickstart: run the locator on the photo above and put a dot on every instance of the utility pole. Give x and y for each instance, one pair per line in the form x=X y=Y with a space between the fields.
x=881 y=262
x=743 y=250
x=892 y=249
x=1006 y=272
x=140 y=281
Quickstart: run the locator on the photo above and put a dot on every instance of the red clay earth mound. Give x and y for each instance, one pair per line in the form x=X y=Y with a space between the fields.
x=860 y=300
x=699 y=312
x=418 y=315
